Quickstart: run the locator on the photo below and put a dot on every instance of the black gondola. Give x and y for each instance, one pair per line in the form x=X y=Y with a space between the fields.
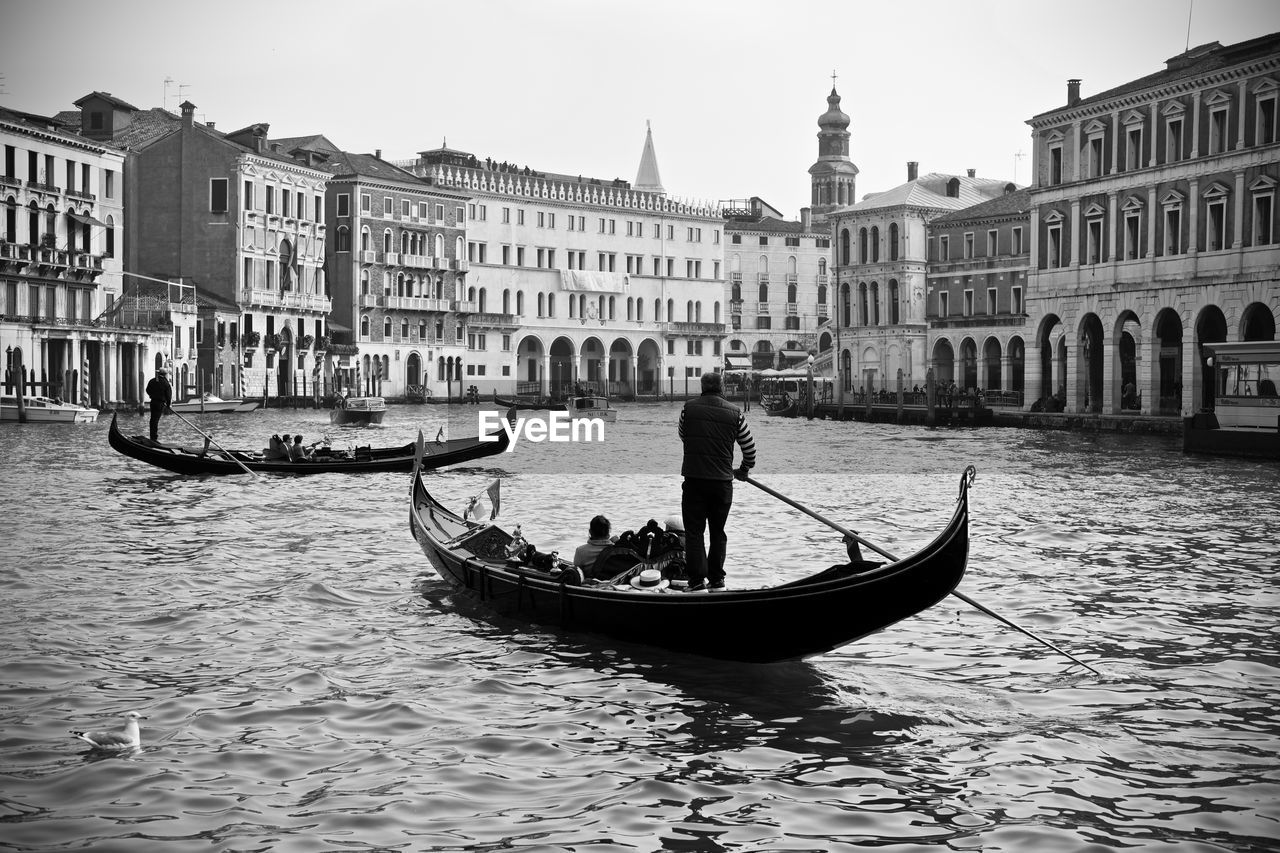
x=527 y=405
x=363 y=460
x=808 y=616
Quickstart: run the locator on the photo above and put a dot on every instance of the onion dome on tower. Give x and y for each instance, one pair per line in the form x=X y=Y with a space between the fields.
x=833 y=178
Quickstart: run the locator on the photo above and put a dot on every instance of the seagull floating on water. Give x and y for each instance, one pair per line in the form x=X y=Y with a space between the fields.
x=130 y=738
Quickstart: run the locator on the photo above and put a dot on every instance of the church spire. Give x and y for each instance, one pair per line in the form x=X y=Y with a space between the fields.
x=647 y=179
x=833 y=178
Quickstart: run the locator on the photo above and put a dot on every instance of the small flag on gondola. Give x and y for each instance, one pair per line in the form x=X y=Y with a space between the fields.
x=492 y=493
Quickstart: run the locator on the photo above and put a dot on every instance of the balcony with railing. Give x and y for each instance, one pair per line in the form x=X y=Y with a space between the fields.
x=460 y=265
x=10 y=181
x=16 y=254
x=87 y=196
x=464 y=307
x=762 y=307
x=368 y=256
x=417 y=261
x=692 y=328
x=306 y=301
x=373 y=300
x=823 y=280
x=792 y=309
x=44 y=187
x=492 y=320
x=392 y=259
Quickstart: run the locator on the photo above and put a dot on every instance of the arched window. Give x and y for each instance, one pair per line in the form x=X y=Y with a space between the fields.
x=844 y=246
x=404 y=242
x=863 y=312
x=893 y=302
x=612 y=305
x=422 y=331
x=688 y=311
x=640 y=310
x=822 y=266
x=631 y=309
x=364 y=239
x=364 y=282
x=862 y=245
x=697 y=312
x=386 y=328
x=542 y=305
x=386 y=240
x=875 y=244
x=551 y=305
x=520 y=302
x=400 y=284
x=471 y=294
x=875 y=303
x=111 y=237
x=506 y=301
x=764 y=291
x=364 y=326
x=893 y=241
x=404 y=328
x=671 y=310
x=458 y=251
x=736 y=291
x=716 y=319
x=822 y=294
x=342 y=242
x=845 y=307
x=439 y=248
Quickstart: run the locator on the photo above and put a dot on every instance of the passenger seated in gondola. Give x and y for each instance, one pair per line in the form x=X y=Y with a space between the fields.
x=856 y=564
x=276 y=449
x=297 y=452
x=598 y=539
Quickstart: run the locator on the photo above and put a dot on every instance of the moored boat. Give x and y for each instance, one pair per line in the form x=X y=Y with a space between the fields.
x=324 y=460
x=46 y=410
x=355 y=411
x=212 y=404
x=828 y=608
x=524 y=404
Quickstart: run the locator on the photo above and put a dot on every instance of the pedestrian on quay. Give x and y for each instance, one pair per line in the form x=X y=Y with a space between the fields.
x=709 y=427
x=160 y=393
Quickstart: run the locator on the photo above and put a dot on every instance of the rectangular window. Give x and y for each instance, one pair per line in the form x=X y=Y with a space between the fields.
x=484 y=215
x=406 y=208
x=218 y=195
x=520 y=216
x=671 y=346
x=1133 y=149
x=613 y=226
x=1093 y=252
x=1218 y=131
x=993 y=243
x=541 y=253
x=250 y=203
x=1215 y=235
x=1173 y=141
x=657 y=266
x=459 y=216
x=366 y=203
x=519 y=256
x=506 y=256
x=1055 y=164
x=551 y=258
x=991 y=300
x=601 y=224
x=1055 y=246
x=968 y=246
x=110 y=182
x=1173 y=231
x=1017 y=240
x=422 y=212
x=1262 y=207
x=1095 y=157
x=968 y=303
x=1265 y=134
x=1015 y=300
x=551 y=217
x=440 y=214
x=506 y=216
x=271 y=199
x=764 y=241
x=792 y=241
x=542 y=219
x=944 y=248
x=764 y=321
x=344 y=204
x=1132 y=236
x=944 y=306
x=286 y=203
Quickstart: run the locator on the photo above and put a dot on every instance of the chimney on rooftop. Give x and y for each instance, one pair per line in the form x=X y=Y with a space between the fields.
x=209 y=125
x=1073 y=92
x=188 y=113
x=377 y=152
x=912 y=166
x=973 y=173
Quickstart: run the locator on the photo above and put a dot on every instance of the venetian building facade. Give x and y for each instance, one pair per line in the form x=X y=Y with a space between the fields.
x=778 y=288
x=234 y=217
x=833 y=177
x=1154 y=232
x=976 y=294
x=880 y=326
x=61 y=253
x=397 y=271
x=613 y=285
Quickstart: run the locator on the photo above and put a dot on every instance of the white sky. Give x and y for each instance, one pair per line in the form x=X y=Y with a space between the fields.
x=733 y=89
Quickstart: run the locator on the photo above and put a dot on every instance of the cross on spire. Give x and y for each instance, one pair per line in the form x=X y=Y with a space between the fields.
x=833 y=78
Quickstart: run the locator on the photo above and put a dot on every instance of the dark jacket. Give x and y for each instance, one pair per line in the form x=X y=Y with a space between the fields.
x=709 y=427
x=160 y=392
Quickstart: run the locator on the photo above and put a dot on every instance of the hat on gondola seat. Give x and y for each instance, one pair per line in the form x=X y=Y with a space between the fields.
x=650 y=580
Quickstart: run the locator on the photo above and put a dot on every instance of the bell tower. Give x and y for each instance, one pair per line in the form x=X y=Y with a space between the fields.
x=833 y=178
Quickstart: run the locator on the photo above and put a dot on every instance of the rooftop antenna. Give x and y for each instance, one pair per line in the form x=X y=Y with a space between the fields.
x=1191 y=5
x=182 y=86
x=1017 y=155
x=164 y=103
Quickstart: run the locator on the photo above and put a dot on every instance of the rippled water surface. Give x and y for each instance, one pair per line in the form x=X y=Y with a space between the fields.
x=311 y=685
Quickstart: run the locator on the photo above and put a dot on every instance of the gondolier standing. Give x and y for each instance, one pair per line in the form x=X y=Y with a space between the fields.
x=709 y=427
x=161 y=394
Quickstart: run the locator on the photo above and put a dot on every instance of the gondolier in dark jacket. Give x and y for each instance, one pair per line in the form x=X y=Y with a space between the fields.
x=161 y=394
x=709 y=427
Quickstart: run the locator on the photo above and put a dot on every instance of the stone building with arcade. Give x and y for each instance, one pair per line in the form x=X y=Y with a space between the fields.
x=1153 y=231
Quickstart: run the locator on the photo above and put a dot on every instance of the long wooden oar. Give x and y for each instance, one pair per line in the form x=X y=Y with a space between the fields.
x=966 y=599
x=228 y=454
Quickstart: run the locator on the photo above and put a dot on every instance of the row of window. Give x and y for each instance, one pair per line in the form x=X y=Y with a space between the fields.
x=42 y=171
x=793 y=293
x=408 y=209
x=1168 y=232
x=1177 y=136
x=604 y=225
x=284 y=202
x=818 y=242
x=990 y=308
x=75 y=304
x=43 y=229
x=941 y=249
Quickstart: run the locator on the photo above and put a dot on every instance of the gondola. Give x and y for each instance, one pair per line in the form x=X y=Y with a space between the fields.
x=539 y=405
x=363 y=460
x=785 y=406
x=809 y=616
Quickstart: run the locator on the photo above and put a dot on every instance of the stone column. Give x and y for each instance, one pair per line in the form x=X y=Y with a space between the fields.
x=1033 y=384
x=1241 y=100
x=633 y=380
x=1076 y=390
x=1111 y=385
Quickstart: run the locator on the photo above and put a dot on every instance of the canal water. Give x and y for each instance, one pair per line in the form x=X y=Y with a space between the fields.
x=309 y=684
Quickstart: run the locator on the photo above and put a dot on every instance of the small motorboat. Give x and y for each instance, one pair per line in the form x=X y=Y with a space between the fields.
x=589 y=407
x=358 y=411
x=46 y=410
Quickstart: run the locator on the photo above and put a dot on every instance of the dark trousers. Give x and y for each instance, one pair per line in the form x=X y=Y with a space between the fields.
x=157 y=409
x=705 y=504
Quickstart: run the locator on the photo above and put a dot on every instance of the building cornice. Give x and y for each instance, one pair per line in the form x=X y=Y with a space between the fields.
x=69 y=140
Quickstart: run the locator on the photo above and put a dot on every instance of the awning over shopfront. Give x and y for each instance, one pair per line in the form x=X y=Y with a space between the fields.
x=86 y=219
x=737 y=361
